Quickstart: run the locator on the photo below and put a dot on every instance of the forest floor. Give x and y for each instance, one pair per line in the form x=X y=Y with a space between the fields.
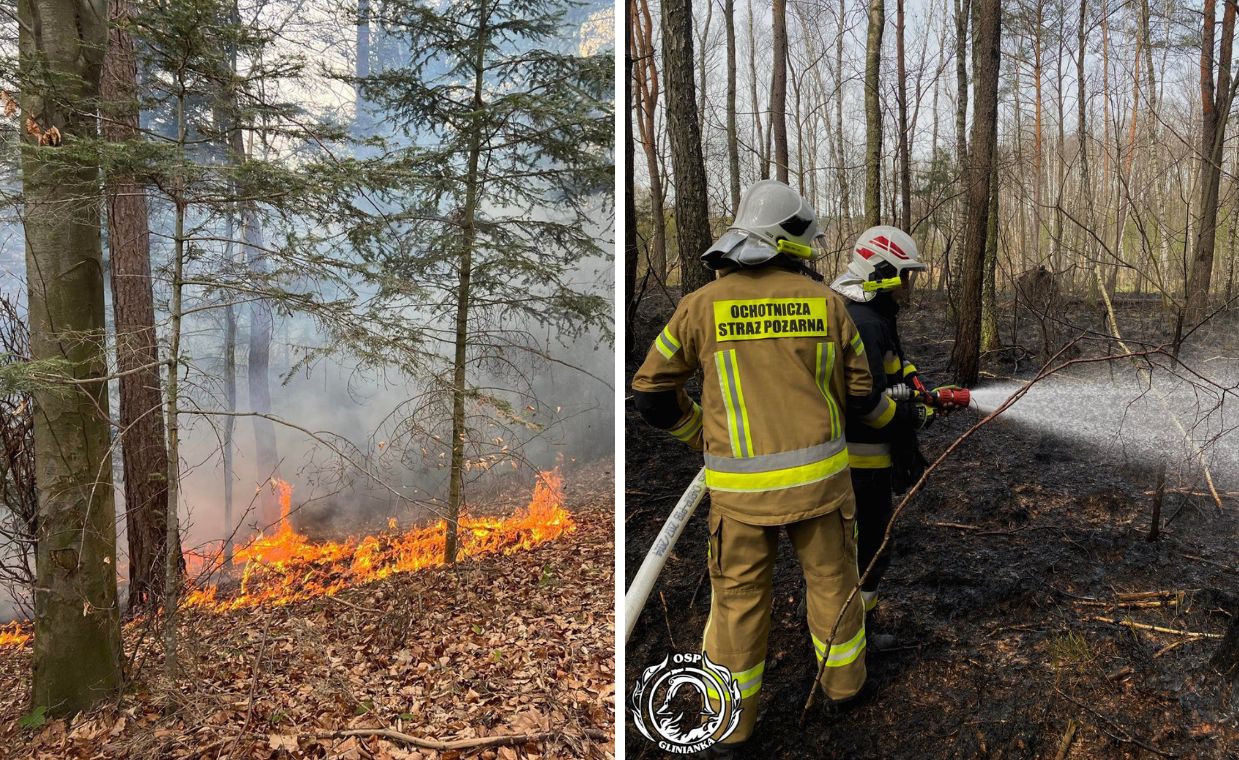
x=516 y=644
x=1008 y=567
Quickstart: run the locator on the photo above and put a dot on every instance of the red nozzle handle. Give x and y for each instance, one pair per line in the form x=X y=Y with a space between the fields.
x=952 y=397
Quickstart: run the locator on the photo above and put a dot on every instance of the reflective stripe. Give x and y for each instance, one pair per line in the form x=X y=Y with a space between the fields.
x=841 y=654
x=891 y=364
x=733 y=399
x=770 y=462
x=908 y=369
x=687 y=431
x=881 y=414
x=748 y=680
x=858 y=345
x=869 y=456
x=775 y=479
x=871 y=602
x=666 y=343
x=823 y=373
x=874 y=462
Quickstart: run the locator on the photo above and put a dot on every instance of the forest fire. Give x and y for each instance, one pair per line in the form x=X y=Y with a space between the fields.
x=13 y=635
x=285 y=566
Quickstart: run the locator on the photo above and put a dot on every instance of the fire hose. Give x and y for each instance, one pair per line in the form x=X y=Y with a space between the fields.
x=643 y=581
x=945 y=398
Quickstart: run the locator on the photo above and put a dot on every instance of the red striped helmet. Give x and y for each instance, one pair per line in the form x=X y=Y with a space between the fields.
x=881 y=255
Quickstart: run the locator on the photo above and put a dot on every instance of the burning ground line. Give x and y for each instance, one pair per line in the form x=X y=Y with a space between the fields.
x=285 y=567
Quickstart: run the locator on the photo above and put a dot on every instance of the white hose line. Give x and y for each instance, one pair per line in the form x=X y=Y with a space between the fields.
x=643 y=582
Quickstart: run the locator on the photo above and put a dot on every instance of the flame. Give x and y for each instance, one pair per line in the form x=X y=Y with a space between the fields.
x=285 y=566
x=12 y=635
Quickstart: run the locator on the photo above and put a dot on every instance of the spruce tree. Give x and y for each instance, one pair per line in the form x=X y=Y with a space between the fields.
x=495 y=191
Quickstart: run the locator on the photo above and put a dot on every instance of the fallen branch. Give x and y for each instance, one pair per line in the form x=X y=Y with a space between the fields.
x=1121 y=734
x=1158 y=628
x=443 y=746
x=1068 y=736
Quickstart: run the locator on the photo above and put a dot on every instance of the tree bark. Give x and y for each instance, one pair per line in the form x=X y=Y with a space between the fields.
x=989 y=306
x=630 y=204
x=778 y=90
x=692 y=213
x=763 y=158
x=1215 y=107
x=77 y=644
x=733 y=147
x=647 y=93
x=965 y=357
x=143 y=447
x=905 y=160
x=873 y=113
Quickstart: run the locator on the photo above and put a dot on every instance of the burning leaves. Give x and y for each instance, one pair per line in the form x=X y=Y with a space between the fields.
x=485 y=649
x=13 y=635
x=285 y=566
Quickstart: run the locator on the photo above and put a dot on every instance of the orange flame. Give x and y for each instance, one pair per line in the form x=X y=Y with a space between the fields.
x=286 y=566
x=12 y=635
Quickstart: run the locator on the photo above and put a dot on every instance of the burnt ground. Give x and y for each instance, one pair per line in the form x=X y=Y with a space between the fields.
x=1004 y=562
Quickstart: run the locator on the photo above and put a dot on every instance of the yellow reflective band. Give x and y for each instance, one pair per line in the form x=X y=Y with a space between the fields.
x=908 y=369
x=841 y=654
x=774 y=480
x=889 y=283
x=794 y=249
x=881 y=415
x=762 y=318
x=869 y=461
x=871 y=602
x=858 y=345
x=690 y=427
x=824 y=370
x=666 y=343
x=891 y=364
x=733 y=399
x=748 y=680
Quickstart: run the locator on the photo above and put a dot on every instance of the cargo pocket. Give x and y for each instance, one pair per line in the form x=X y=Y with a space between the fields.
x=714 y=545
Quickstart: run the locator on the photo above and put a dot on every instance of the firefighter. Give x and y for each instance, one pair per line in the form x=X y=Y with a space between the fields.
x=882 y=446
x=783 y=369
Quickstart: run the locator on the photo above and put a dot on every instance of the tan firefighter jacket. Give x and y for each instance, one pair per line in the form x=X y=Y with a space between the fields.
x=780 y=357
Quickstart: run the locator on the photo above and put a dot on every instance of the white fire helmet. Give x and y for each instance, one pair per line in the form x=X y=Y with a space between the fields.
x=881 y=255
x=772 y=219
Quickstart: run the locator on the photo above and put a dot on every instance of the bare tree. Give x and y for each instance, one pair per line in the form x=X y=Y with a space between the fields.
x=778 y=90
x=692 y=214
x=1215 y=105
x=143 y=450
x=873 y=113
x=987 y=25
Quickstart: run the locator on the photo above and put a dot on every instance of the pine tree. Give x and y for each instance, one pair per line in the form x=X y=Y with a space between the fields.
x=498 y=188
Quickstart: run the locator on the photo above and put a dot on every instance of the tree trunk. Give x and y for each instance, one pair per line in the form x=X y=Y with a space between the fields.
x=468 y=235
x=841 y=169
x=1215 y=107
x=77 y=644
x=630 y=204
x=873 y=113
x=361 y=67
x=647 y=93
x=965 y=357
x=989 y=310
x=778 y=90
x=143 y=452
x=692 y=213
x=905 y=160
x=733 y=148
x=763 y=158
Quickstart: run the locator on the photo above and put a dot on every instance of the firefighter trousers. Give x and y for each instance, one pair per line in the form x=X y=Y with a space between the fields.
x=741 y=561
x=873 y=515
